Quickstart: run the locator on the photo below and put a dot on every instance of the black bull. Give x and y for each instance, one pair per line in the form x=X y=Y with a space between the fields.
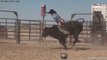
x=73 y=27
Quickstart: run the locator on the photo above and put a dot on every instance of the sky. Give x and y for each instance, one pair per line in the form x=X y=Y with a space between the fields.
x=31 y=9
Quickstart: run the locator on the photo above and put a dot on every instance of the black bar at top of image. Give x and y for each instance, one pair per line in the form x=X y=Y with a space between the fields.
x=9 y=0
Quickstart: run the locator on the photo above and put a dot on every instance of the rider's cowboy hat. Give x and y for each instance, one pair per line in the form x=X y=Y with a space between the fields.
x=52 y=11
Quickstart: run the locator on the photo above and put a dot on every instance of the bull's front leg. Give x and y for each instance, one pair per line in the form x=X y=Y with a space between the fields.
x=63 y=43
x=70 y=39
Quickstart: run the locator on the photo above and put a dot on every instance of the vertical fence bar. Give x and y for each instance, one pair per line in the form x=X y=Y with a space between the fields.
x=40 y=32
x=35 y=30
x=6 y=32
x=41 y=29
x=18 y=31
x=29 y=30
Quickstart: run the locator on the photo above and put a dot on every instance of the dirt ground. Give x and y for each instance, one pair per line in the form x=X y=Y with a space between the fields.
x=33 y=50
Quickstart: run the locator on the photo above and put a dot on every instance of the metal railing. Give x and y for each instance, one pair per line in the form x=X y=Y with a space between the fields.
x=29 y=29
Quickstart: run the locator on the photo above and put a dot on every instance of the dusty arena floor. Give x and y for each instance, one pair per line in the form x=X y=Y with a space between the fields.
x=27 y=50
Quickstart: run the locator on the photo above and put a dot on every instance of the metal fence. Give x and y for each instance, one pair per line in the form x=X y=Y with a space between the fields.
x=22 y=29
x=29 y=29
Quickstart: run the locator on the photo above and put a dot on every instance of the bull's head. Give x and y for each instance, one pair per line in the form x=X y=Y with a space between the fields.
x=45 y=32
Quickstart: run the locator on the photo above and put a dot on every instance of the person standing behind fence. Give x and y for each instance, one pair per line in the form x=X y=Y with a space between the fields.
x=56 y=17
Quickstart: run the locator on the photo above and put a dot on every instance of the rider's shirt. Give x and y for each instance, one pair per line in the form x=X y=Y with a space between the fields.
x=56 y=17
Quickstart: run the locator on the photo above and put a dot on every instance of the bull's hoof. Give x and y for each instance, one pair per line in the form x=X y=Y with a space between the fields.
x=73 y=44
x=65 y=48
x=71 y=48
x=79 y=41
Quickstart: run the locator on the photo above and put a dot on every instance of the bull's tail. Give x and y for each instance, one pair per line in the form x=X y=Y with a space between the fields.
x=80 y=20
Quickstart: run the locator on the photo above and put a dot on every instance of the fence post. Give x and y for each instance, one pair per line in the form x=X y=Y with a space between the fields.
x=17 y=25
x=29 y=30
x=18 y=31
x=6 y=34
x=41 y=29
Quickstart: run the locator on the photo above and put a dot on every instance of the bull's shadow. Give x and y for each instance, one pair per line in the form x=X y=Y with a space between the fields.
x=61 y=48
x=76 y=49
x=61 y=33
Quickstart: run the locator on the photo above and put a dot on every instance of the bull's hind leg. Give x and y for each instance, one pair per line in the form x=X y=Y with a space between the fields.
x=76 y=39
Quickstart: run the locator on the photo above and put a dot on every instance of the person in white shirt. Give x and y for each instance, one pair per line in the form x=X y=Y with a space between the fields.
x=56 y=17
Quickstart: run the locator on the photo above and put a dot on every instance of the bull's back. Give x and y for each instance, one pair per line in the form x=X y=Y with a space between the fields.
x=74 y=26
